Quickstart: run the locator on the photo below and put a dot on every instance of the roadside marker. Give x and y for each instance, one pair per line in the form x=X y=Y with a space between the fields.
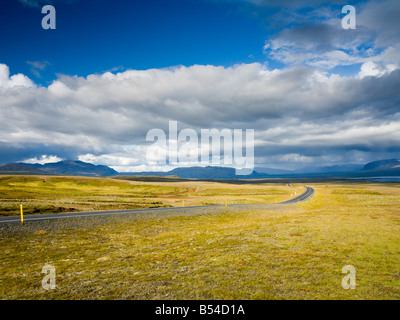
x=183 y=203
x=226 y=203
x=22 y=214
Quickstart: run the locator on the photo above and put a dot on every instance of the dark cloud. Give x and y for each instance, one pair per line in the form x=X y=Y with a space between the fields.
x=316 y=37
x=298 y=113
x=10 y=152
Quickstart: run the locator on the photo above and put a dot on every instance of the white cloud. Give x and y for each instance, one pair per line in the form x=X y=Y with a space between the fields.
x=295 y=111
x=318 y=40
x=372 y=69
x=17 y=80
x=43 y=159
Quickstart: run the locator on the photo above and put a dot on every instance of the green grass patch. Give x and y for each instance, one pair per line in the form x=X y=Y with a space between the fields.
x=52 y=194
x=275 y=252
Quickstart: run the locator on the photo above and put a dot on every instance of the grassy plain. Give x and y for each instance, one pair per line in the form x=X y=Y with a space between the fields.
x=68 y=194
x=257 y=252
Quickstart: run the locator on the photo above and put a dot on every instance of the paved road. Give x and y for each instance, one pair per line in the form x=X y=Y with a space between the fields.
x=300 y=198
x=13 y=219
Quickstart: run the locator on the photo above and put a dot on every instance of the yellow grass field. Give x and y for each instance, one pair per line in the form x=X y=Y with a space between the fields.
x=255 y=252
x=68 y=194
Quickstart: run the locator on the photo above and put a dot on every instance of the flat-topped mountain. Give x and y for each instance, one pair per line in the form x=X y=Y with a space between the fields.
x=75 y=168
x=382 y=165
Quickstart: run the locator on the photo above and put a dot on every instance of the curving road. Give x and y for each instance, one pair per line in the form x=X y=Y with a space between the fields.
x=302 y=197
x=14 y=219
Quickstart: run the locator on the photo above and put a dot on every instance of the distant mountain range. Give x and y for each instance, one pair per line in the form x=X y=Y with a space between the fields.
x=199 y=173
x=312 y=170
x=66 y=167
x=192 y=173
x=330 y=169
x=78 y=168
x=20 y=168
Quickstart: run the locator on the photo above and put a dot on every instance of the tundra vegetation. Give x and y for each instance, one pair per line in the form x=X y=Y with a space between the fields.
x=68 y=194
x=250 y=252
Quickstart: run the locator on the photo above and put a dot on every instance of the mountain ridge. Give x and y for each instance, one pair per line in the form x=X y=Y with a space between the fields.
x=80 y=168
x=20 y=167
x=72 y=167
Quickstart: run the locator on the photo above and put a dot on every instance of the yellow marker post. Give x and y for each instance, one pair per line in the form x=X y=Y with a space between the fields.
x=183 y=203
x=276 y=201
x=22 y=213
x=226 y=203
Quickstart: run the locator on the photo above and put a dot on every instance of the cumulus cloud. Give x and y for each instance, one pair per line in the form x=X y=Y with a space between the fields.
x=43 y=159
x=299 y=111
x=372 y=69
x=17 y=80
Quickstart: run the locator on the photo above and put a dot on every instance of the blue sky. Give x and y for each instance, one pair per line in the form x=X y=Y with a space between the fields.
x=93 y=37
x=314 y=93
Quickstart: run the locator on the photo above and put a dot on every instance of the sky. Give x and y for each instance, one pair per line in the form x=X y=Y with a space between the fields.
x=314 y=93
